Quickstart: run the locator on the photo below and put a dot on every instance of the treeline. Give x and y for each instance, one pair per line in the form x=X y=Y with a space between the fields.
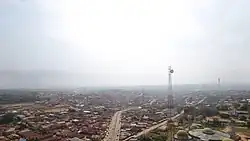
x=9 y=118
x=9 y=97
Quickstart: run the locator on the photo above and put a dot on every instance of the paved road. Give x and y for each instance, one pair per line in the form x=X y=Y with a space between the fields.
x=160 y=124
x=113 y=131
x=115 y=126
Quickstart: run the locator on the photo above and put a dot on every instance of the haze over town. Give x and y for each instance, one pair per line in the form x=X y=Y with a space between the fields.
x=114 y=43
x=124 y=70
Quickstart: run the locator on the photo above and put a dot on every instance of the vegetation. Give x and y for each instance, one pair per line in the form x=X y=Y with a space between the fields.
x=9 y=118
x=33 y=140
x=214 y=99
x=243 y=107
x=11 y=96
x=236 y=105
x=208 y=111
x=224 y=115
x=243 y=130
x=154 y=137
x=242 y=118
x=159 y=138
x=248 y=124
x=222 y=107
x=145 y=138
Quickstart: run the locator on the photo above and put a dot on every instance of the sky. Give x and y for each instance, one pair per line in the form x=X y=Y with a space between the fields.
x=124 y=42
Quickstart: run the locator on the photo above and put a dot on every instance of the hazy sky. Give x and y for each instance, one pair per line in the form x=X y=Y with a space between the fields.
x=126 y=42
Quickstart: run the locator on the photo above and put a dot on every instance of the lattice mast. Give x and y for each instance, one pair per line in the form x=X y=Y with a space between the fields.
x=170 y=90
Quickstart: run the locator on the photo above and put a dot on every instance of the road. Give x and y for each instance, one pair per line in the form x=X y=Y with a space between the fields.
x=115 y=126
x=18 y=105
x=160 y=124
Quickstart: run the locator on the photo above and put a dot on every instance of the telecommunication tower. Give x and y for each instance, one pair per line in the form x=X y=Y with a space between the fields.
x=218 y=83
x=170 y=104
x=170 y=92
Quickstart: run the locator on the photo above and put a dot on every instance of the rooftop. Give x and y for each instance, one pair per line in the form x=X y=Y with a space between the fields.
x=208 y=134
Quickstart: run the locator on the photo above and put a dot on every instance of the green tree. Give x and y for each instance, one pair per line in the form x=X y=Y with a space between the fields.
x=248 y=123
x=216 y=122
x=243 y=107
x=7 y=118
x=145 y=138
x=224 y=115
x=33 y=140
x=161 y=137
x=222 y=107
x=236 y=105
x=243 y=118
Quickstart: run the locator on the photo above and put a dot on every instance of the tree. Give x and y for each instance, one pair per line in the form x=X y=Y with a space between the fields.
x=179 y=109
x=236 y=105
x=243 y=107
x=159 y=138
x=222 y=107
x=145 y=138
x=216 y=122
x=33 y=140
x=7 y=118
x=207 y=111
x=243 y=118
x=224 y=115
x=248 y=123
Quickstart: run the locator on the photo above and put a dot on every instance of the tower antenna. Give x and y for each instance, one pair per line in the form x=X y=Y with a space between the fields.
x=170 y=89
x=218 y=83
x=170 y=102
